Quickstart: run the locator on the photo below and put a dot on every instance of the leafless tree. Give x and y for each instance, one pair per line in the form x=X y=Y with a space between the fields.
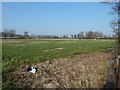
x=12 y=33
x=81 y=35
x=89 y=35
x=5 y=33
x=115 y=24
x=72 y=36
x=26 y=35
x=97 y=35
x=75 y=36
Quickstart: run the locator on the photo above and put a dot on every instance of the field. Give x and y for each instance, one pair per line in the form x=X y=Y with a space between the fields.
x=21 y=53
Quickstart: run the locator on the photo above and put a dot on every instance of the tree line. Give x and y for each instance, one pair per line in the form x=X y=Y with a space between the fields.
x=92 y=35
x=11 y=34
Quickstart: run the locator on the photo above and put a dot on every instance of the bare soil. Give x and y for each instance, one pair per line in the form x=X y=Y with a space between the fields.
x=55 y=49
x=79 y=71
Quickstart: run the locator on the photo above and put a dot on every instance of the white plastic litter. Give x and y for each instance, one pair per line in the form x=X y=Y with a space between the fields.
x=32 y=70
x=119 y=57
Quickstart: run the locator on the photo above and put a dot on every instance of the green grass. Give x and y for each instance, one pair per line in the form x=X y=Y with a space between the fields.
x=18 y=54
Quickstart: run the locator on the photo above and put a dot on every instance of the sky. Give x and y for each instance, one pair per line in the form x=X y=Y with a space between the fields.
x=56 y=18
x=55 y=0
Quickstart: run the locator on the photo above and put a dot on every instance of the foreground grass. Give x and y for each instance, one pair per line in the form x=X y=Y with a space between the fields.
x=18 y=54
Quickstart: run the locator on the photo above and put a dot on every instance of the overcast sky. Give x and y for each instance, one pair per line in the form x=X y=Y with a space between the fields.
x=56 y=18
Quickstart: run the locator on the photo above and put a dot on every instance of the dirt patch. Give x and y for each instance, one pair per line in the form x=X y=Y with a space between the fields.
x=80 y=71
x=10 y=41
x=45 y=50
x=55 y=49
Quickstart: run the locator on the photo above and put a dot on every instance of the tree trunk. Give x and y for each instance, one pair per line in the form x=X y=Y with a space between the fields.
x=119 y=42
x=118 y=28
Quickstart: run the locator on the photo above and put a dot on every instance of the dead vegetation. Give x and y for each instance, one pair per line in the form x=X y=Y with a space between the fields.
x=80 y=71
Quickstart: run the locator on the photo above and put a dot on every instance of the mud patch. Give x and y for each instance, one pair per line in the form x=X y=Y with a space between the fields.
x=80 y=71
x=55 y=49
x=45 y=50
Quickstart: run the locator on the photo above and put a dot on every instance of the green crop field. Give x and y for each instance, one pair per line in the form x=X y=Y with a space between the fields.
x=18 y=53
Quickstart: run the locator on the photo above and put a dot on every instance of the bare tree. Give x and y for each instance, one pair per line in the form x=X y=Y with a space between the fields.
x=26 y=35
x=11 y=33
x=115 y=24
x=114 y=76
x=72 y=36
x=78 y=36
x=75 y=36
x=118 y=28
x=89 y=35
x=65 y=36
x=19 y=36
x=5 y=33
x=81 y=35
x=97 y=35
